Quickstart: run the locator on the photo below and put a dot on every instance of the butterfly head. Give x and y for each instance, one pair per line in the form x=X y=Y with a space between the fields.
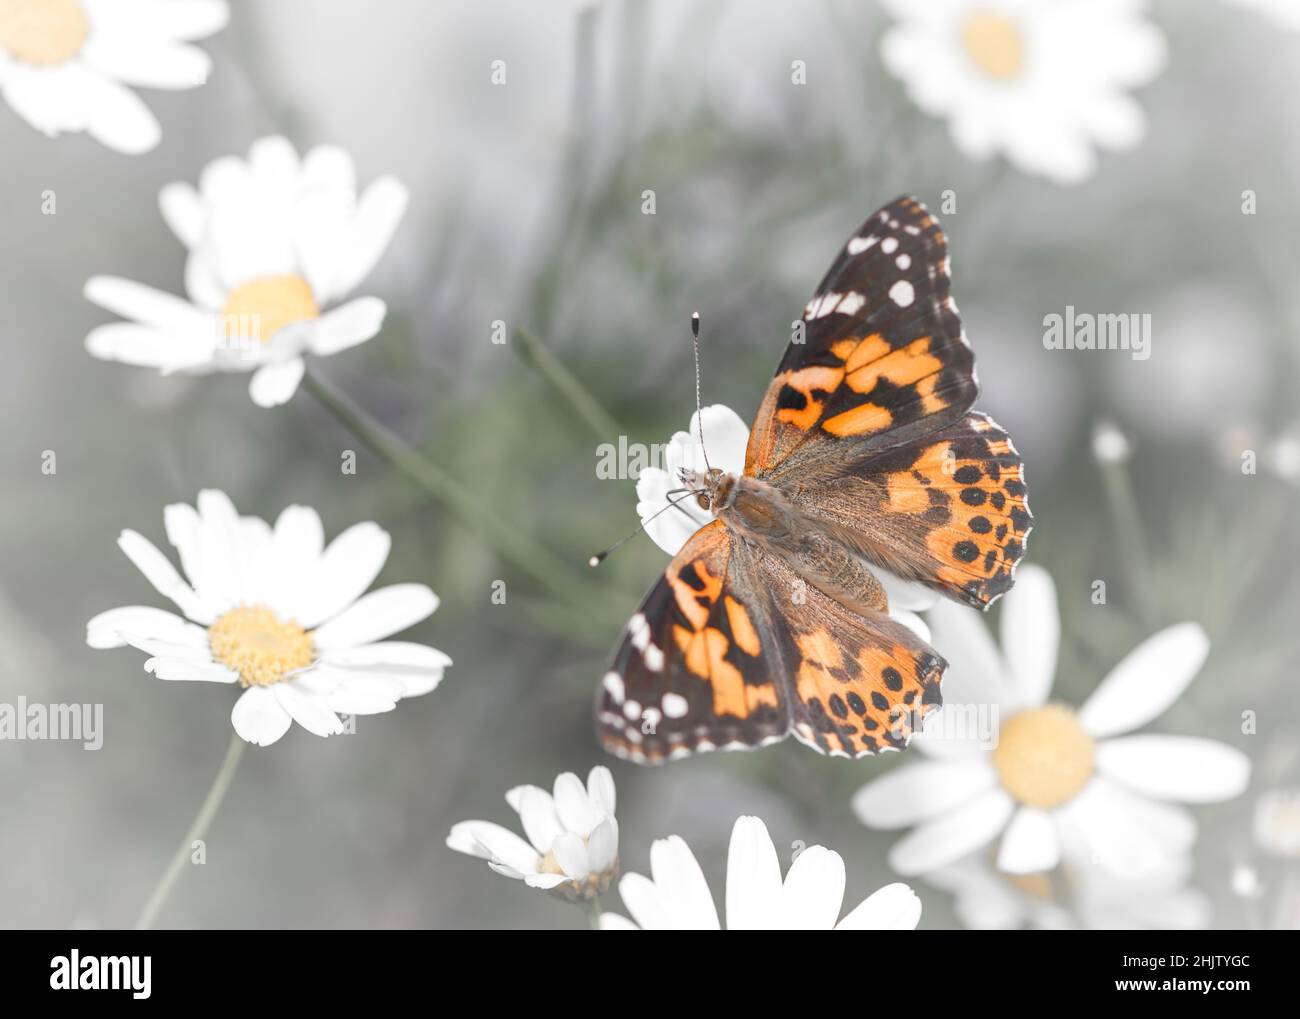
x=714 y=489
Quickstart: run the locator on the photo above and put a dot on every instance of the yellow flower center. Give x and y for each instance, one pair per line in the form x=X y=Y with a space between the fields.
x=260 y=308
x=1043 y=756
x=43 y=31
x=549 y=864
x=993 y=41
x=1038 y=885
x=252 y=640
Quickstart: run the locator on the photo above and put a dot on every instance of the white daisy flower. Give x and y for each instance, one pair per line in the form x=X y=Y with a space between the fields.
x=65 y=64
x=1060 y=783
x=726 y=437
x=273 y=241
x=678 y=898
x=280 y=614
x=987 y=899
x=1041 y=83
x=572 y=831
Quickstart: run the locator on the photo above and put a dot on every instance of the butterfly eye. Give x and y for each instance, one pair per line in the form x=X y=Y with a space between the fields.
x=702 y=500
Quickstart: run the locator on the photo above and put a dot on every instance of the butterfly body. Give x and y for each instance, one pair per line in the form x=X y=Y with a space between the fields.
x=864 y=456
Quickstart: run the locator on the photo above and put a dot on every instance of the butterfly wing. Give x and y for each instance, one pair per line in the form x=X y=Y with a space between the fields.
x=883 y=359
x=690 y=673
x=857 y=684
x=950 y=510
x=866 y=424
x=730 y=650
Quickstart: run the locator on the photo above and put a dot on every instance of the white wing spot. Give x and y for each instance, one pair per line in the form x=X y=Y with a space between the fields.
x=632 y=709
x=889 y=245
x=654 y=658
x=675 y=705
x=639 y=630
x=902 y=294
x=860 y=244
x=614 y=686
x=851 y=304
x=904 y=261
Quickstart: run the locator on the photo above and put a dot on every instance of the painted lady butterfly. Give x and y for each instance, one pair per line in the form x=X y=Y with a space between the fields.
x=864 y=453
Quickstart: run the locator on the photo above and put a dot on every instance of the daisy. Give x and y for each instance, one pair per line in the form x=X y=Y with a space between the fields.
x=726 y=437
x=276 y=612
x=65 y=64
x=273 y=241
x=1059 y=783
x=1041 y=83
x=678 y=898
x=572 y=831
x=986 y=899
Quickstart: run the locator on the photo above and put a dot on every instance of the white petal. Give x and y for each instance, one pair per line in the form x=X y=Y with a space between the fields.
x=145 y=63
x=344 y=572
x=600 y=788
x=106 y=629
x=537 y=814
x=490 y=841
x=311 y=712
x=813 y=891
x=615 y=922
x=892 y=908
x=1149 y=679
x=950 y=837
x=577 y=812
x=146 y=305
x=183 y=212
x=360 y=693
x=328 y=168
x=346 y=326
x=116 y=117
x=672 y=528
x=379 y=211
x=147 y=347
x=753 y=878
x=976 y=672
x=541 y=880
x=187 y=669
x=275 y=383
x=1030 y=843
x=415 y=668
x=1183 y=768
x=159 y=571
x=1121 y=833
x=1031 y=634
x=220 y=543
x=644 y=902
x=922 y=789
x=258 y=717
x=683 y=893
x=571 y=854
x=377 y=615
x=602 y=846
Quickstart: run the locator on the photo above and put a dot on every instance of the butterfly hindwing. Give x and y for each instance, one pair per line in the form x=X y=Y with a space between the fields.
x=691 y=672
x=882 y=359
x=950 y=511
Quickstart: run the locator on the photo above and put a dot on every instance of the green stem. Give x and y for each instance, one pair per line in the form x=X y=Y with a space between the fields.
x=553 y=370
x=593 y=912
x=197 y=830
x=512 y=544
x=1128 y=523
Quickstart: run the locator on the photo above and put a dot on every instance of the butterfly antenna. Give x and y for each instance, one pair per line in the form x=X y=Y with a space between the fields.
x=699 y=414
x=599 y=557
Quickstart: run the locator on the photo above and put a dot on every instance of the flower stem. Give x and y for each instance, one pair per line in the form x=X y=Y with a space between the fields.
x=593 y=912
x=196 y=831
x=1128 y=524
x=512 y=543
x=553 y=369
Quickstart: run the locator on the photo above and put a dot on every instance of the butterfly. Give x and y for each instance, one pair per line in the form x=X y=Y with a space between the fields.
x=864 y=455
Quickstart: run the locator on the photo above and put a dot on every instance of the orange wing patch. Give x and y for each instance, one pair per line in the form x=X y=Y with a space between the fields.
x=862 y=685
x=690 y=673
